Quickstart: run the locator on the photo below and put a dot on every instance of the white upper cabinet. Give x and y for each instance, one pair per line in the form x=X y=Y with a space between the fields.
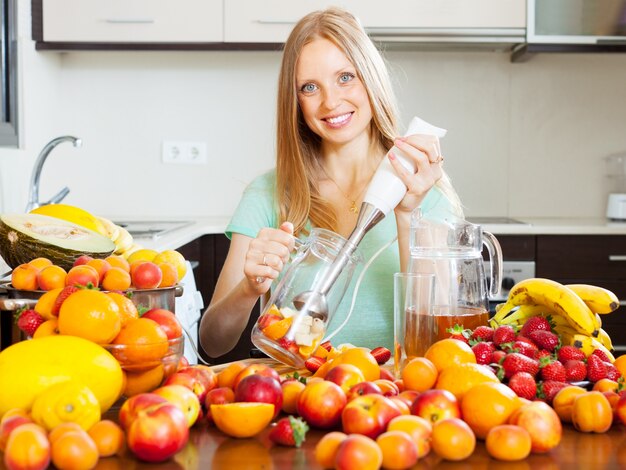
x=132 y=21
x=254 y=21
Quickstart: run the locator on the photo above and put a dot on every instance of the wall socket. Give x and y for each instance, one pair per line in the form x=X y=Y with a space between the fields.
x=184 y=152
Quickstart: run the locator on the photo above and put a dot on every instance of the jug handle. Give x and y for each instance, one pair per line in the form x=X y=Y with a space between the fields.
x=495 y=264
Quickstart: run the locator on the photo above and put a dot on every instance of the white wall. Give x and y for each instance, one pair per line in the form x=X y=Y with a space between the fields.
x=524 y=139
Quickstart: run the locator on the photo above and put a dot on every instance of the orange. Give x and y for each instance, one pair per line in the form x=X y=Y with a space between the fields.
x=447 y=352
x=51 y=277
x=143 y=381
x=90 y=314
x=170 y=275
x=117 y=261
x=242 y=419
x=47 y=328
x=362 y=359
x=45 y=303
x=487 y=405
x=144 y=343
x=108 y=437
x=74 y=450
x=326 y=448
x=508 y=442
x=116 y=279
x=128 y=310
x=291 y=392
x=620 y=363
x=453 y=439
x=174 y=258
x=399 y=450
x=278 y=329
x=459 y=378
x=226 y=377
x=419 y=374
x=24 y=277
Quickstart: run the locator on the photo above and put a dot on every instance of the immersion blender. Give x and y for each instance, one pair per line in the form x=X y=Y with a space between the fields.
x=384 y=193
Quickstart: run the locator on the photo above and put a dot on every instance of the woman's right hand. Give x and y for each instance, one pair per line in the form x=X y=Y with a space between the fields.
x=267 y=255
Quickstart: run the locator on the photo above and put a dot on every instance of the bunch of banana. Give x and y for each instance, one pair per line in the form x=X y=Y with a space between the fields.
x=123 y=240
x=571 y=310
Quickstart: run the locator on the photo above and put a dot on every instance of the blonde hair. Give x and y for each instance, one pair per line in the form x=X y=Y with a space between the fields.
x=297 y=147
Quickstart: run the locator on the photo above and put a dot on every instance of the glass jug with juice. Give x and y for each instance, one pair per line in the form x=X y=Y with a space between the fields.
x=451 y=249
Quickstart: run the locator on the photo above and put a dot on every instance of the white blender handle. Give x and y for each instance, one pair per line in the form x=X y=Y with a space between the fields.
x=386 y=190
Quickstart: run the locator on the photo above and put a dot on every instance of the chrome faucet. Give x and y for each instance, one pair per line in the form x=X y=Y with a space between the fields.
x=33 y=198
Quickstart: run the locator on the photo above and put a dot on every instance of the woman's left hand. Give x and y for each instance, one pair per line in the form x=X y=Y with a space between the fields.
x=425 y=154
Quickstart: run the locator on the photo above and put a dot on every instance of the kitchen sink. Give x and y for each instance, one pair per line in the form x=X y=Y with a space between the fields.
x=152 y=228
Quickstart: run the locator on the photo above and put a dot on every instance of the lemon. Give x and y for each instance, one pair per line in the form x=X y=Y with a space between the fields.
x=143 y=254
x=175 y=258
x=242 y=419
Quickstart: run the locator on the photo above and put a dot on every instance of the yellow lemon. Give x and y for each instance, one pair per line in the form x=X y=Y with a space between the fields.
x=173 y=257
x=143 y=254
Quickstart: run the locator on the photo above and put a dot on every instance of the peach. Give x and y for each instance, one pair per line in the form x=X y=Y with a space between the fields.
x=345 y=375
x=133 y=406
x=542 y=423
x=146 y=275
x=8 y=425
x=183 y=398
x=357 y=452
x=217 y=396
x=82 y=259
x=27 y=447
x=82 y=275
x=321 y=404
x=260 y=369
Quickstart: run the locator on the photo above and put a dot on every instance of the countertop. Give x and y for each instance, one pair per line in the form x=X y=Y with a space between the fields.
x=529 y=226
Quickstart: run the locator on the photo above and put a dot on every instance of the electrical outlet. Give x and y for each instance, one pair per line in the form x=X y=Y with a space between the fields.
x=184 y=152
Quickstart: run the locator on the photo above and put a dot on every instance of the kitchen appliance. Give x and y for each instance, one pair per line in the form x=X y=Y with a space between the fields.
x=616 y=173
x=152 y=229
x=512 y=273
x=451 y=249
x=312 y=303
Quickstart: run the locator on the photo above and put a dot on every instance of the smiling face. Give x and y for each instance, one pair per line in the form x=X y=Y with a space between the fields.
x=332 y=98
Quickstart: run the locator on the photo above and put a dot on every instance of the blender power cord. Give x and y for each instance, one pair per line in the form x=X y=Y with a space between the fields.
x=356 y=288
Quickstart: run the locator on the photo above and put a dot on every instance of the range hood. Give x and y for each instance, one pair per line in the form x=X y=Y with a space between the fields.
x=573 y=26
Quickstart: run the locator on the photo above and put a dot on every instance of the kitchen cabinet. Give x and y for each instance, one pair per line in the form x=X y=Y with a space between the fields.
x=250 y=24
x=271 y=21
x=210 y=252
x=127 y=22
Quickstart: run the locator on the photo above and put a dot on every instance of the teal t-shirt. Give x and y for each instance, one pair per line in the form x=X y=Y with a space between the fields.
x=371 y=321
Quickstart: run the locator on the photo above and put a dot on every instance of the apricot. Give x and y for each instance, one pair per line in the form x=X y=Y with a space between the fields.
x=24 y=277
x=358 y=452
x=170 y=275
x=28 y=447
x=101 y=266
x=51 y=277
x=398 y=449
x=326 y=448
x=116 y=279
x=40 y=263
x=117 y=261
x=508 y=442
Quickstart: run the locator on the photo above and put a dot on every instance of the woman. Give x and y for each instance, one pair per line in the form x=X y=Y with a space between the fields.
x=336 y=121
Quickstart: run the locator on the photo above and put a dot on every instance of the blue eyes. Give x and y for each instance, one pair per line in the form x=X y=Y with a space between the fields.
x=344 y=78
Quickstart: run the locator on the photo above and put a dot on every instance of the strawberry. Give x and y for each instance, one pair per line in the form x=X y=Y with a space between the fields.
x=524 y=385
x=545 y=340
x=381 y=354
x=482 y=333
x=28 y=321
x=457 y=332
x=575 y=370
x=612 y=372
x=552 y=370
x=266 y=320
x=526 y=348
x=497 y=356
x=313 y=363
x=543 y=353
x=326 y=345
x=516 y=362
x=64 y=294
x=503 y=334
x=289 y=431
x=567 y=352
x=289 y=345
x=549 y=388
x=596 y=368
x=483 y=352
x=535 y=324
x=601 y=354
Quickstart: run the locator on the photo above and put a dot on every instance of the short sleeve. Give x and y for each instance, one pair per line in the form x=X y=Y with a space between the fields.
x=257 y=208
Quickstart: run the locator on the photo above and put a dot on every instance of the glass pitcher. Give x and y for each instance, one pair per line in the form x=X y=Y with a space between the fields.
x=286 y=333
x=451 y=249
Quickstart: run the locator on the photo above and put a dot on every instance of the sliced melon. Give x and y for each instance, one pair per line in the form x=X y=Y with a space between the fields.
x=24 y=237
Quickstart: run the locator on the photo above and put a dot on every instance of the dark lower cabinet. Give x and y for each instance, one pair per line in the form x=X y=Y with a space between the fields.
x=210 y=252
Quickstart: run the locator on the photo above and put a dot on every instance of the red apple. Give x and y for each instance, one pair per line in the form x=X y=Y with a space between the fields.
x=321 y=404
x=158 y=432
x=183 y=398
x=368 y=415
x=131 y=407
x=363 y=388
x=82 y=259
x=217 y=396
x=345 y=375
x=259 y=388
x=166 y=320
x=258 y=369
x=436 y=404
x=195 y=379
x=146 y=275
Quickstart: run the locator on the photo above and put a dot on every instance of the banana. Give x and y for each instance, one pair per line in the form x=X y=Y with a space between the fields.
x=598 y=321
x=123 y=241
x=523 y=313
x=588 y=344
x=555 y=297
x=604 y=338
x=111 y=230
x=598 y=299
